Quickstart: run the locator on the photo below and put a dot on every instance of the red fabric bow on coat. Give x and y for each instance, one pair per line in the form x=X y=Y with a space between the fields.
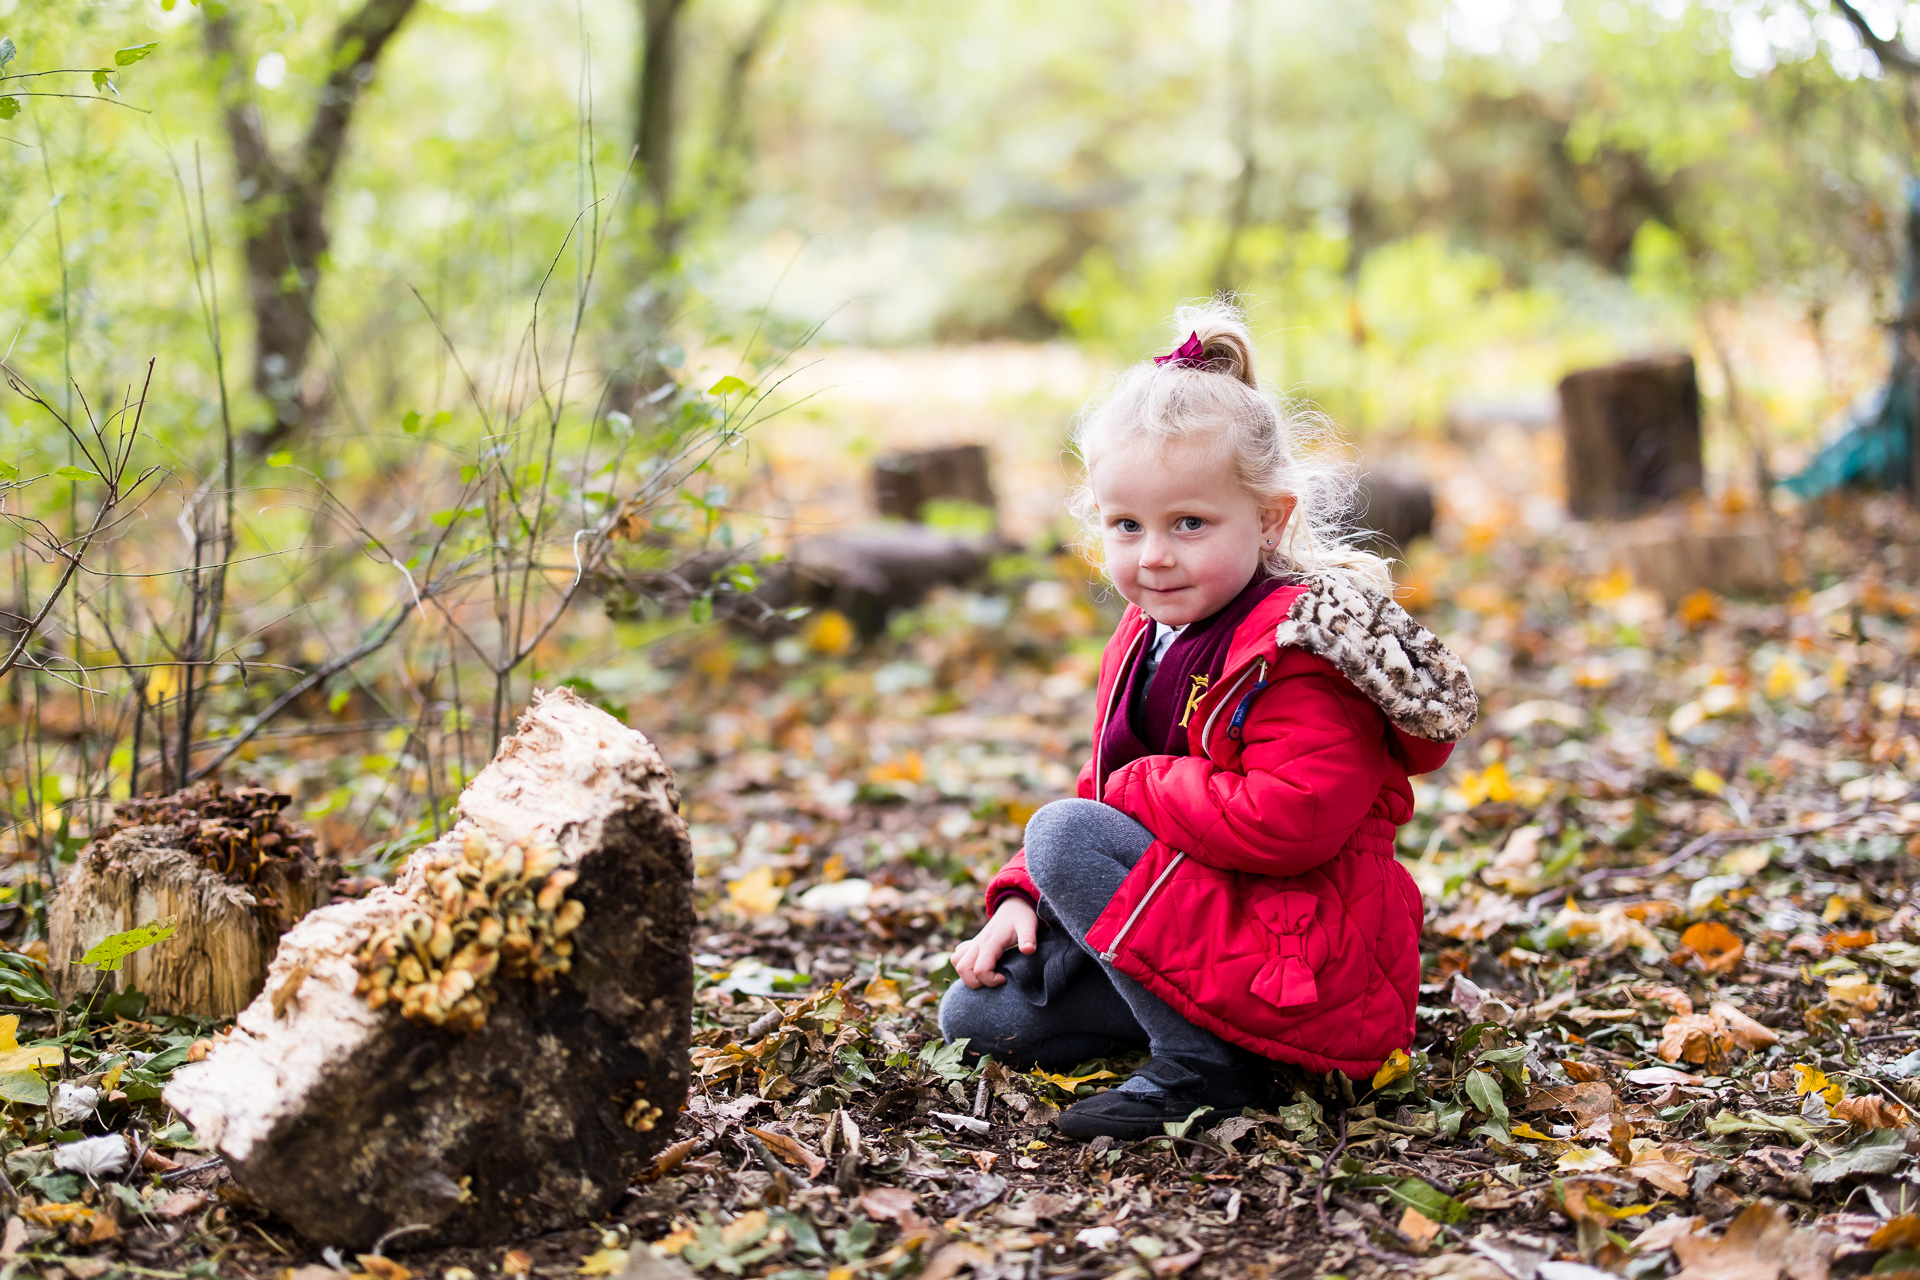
x=1191 y=353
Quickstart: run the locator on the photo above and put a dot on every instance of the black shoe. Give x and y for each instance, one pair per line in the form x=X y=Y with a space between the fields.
x=1120 y=1114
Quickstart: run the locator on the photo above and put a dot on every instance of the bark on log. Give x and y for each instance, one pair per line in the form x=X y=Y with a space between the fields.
x=1632 y=436
x=1395 y=509
x=349 y=1120
x=1674 y=556
x=903 y=483
x=195 y=857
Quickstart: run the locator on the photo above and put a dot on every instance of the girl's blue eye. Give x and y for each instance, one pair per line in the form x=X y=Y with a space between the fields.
x=1127 y=526
x=1190 y=524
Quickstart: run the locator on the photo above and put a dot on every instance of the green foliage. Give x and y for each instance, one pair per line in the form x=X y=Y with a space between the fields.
x=108 y=954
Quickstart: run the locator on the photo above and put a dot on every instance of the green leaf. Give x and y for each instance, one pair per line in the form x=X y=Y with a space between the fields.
x=727 y=386
x=133 y=53
x=944 y=1059
x=77 y=473
x=410 y=421
x=100 y=78
x=7 y=51
x=700 y=610
x=338 y=701
x=9 y=108
x=107 y=954
x=1484 y=1090
x=8 y=471
x=282 y=458
x=1437 y=1205
x=1880 y=1151
x=23 y=1086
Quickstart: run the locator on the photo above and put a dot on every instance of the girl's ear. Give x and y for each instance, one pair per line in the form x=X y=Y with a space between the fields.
x=1274 y=519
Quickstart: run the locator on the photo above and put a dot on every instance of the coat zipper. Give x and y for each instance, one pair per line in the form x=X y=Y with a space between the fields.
x=1119 y=691
x=1206 y=734
x=1126 y=928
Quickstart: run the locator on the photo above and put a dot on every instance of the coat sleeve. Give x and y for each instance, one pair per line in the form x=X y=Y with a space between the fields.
x=1313 y=760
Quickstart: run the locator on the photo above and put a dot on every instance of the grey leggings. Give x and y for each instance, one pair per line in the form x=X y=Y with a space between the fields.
x=1063 y=1005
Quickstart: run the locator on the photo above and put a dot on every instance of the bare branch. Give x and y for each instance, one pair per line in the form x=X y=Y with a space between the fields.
x=1892 y=53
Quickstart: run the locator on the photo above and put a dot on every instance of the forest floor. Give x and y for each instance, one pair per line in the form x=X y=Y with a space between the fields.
x=1667 y=1017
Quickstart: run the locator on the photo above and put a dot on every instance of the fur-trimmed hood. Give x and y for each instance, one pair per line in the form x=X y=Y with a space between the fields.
x=1422 y=686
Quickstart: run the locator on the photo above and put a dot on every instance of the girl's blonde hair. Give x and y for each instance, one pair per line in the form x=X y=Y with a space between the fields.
x=1279 y=449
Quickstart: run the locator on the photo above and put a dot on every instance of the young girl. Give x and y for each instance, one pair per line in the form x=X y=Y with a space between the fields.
x=1226 y=882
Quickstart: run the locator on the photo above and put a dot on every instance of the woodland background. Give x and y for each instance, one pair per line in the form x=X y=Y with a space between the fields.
x=373 y=363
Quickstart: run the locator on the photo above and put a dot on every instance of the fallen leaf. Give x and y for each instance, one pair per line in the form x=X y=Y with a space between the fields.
x=1717 y=947
x=1582 y=1072
x=889 y=1204
x=1398 y=1066
x=1871 y=1111
x=1419 y=1229
x=1663 y=1233
x=382 y=1268
x=790 y=1152
x=1899 y=1232
x=1813 y=1080
x=604 y=1262
x=1760 y=1244
x=1662 y=1075
x=1854 y=990
x=756 y=893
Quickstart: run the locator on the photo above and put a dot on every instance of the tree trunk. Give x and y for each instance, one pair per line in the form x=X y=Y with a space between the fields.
x=284 y=201
x=654 y=122
x=1632 y=436
x=192 y=857
x=903 y=483
x=495 y=1046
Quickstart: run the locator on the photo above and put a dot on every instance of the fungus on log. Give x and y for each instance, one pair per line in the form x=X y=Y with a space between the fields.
x=497 y=1044
x=228 y=867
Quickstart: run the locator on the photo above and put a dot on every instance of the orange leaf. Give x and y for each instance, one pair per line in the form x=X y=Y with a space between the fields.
x=1871 y=1111
x=1581 y=1072
x=1901 y=1232
x=1852 y=940
x=1719 y=948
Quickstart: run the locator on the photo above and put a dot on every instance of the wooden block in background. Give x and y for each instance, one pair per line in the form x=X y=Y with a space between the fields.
x=1676 y=554
x=1632 y=434
x=903 y=483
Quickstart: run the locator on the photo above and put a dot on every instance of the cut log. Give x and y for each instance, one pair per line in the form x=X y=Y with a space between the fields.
x=1675 y=555
x=904 y=483
x=494 y=1046
x=1395 y=509
x=228 y=867
x=1632 y=436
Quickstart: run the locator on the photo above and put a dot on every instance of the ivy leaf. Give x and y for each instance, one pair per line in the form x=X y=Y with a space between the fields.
x=133 y=53
x=107 y=954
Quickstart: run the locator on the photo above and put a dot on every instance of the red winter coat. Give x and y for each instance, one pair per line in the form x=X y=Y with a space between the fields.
x=1270 y=909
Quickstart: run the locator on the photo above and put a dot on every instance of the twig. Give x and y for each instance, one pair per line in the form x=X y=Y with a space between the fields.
x=772 y=1164
x=396 y=1233
x=1358 y=1236
x=187 y=1172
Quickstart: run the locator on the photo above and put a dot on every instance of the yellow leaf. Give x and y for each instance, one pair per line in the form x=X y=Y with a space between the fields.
x=1067 y=1084
x=1708 y=781
x=829 y=633
x=674 y=1241
x=604 y=1262
x=1814 y=1080
x=1856 y=991
x=112 y=1079
x=755 y=893
x=1663 y=751
x=1398 y=1066
x=1584 y=1158
x=44 y=1055
x=1530 y=1133
x=9 y=1025
x=883 y=994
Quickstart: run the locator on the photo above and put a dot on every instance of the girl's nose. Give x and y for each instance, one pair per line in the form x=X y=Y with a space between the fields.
x=1157 y=553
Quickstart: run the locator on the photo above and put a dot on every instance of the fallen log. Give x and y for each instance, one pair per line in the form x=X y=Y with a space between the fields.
x=496 y=1045
x=226 y=866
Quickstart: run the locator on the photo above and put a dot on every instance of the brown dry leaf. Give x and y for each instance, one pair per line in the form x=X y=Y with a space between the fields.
x=382 y=1268
x=1663 y=1075
x=1871 y=1111
x=1856 y=991
x=1584 y=1102
x=1695 y=1037
x=672 y=1158
x=889 y=1204
x=1760 y=1244
x=1418 y=1228
x=1676 y=1000
x=953 y=1259
x=1174 y=1264
x=182 y=1204
x=1582 y=1072
x=1497 y=1195
x=1620 y=1139
x=790 y=1152
x=1899 y=1232
x=1747 y=1033
x=1718 y=948
x=1663 y=1233
x=1851 y=940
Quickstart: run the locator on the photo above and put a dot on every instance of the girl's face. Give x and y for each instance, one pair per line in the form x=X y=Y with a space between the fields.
x=1182 y=538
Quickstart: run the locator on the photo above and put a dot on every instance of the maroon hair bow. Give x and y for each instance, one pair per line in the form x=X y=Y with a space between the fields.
x=1190 y=354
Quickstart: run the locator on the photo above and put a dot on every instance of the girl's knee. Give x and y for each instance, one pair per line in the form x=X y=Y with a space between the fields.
x=967 y=1013
x=1057 y=833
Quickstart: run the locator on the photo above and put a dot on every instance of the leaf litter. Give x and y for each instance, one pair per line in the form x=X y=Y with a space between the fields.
x=1667 y=1021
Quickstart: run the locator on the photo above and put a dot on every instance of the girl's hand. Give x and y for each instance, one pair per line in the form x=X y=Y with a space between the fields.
x=1015 y=923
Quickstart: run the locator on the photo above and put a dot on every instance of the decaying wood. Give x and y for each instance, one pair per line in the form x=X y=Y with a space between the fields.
x=226 y=924
x=1395 y=508
x=1678 y=553
x=1633 y=436
x=903 y=483
x=351 y=1121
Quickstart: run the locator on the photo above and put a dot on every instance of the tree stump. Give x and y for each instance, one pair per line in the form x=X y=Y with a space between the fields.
x=494 y=1046
x=1632 y=434
x=903 y=483
x=227 y=866
x=1674 y=555
x=1395 y=509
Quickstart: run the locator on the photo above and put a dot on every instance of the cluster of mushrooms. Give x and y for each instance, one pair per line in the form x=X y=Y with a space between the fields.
x=237 y=832
x=489 y=910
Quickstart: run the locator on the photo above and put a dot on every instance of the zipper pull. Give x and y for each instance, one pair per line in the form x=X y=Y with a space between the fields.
x=1240 y=712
